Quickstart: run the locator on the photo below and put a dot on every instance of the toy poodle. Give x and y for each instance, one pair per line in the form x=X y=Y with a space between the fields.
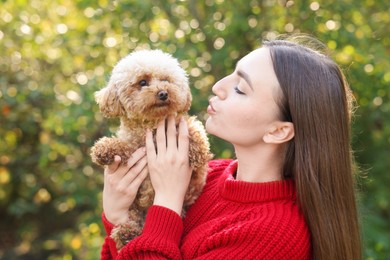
x=146 y=87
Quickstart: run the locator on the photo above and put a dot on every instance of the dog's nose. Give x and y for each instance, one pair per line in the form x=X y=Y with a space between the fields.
x=162 y=95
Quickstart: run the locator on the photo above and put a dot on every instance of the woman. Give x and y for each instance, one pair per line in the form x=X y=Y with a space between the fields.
x=289 y=194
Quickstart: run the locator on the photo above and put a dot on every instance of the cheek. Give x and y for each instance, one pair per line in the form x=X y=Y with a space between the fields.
x=230 y=123
x=235 y=130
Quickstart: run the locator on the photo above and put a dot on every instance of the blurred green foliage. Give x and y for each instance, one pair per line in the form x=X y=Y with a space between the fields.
x=55 y=54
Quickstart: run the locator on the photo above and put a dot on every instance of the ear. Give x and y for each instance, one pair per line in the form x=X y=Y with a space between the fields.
x=189 y=101
x=280 y=132
x=188 y=98
x=109 y=102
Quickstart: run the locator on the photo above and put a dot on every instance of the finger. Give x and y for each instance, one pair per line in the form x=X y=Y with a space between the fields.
x=150 y=148
x=136 y=156
x=183 y=138
x=134 y=172
x=114 y=165
x=136 y=183
x=171 y=133
x=161 y=140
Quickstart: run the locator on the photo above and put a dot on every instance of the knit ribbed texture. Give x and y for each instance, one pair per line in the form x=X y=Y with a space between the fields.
x=109 y=248
x=230 y=220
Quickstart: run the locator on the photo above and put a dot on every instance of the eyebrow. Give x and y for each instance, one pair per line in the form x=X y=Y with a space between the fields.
x=246 y=77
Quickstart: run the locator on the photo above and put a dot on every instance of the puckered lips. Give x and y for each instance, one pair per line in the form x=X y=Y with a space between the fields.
x=210 y=108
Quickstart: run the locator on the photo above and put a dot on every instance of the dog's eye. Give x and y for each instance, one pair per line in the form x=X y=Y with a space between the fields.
x=143 y=83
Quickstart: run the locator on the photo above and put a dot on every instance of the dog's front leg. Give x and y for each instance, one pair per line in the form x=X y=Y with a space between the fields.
x=105 y=149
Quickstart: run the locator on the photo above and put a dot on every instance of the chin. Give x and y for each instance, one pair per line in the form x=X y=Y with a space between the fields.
x=211 y=128
x=208 y=126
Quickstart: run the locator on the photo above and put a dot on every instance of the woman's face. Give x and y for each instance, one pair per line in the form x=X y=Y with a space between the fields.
x=244 y=108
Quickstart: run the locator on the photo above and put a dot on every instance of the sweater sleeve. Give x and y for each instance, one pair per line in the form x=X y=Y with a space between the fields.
x=160 y=237
x=109 y=248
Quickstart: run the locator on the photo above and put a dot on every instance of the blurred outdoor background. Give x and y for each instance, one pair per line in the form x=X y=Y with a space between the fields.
x=54 y=54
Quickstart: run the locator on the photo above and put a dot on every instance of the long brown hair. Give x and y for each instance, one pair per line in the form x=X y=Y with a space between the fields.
x=317 y=99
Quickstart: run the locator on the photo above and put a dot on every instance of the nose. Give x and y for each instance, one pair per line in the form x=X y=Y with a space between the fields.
x=162 y=95
x=218 y=89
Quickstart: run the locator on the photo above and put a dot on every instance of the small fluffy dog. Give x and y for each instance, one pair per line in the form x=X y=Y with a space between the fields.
x=146 y=87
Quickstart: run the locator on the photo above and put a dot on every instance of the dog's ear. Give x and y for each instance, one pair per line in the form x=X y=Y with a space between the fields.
x=189 y=102
x=109 y=103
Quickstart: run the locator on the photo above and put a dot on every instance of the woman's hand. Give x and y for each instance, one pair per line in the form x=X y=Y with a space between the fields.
x=169 y=168
x=121 y=183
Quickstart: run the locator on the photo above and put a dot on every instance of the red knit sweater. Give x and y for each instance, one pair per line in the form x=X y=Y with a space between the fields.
x=230 y=220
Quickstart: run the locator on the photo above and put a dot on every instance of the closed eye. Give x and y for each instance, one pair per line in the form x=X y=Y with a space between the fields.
x=238 y=91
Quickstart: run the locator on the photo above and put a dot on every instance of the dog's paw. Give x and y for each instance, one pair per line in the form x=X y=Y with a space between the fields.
x=105 y=149
x=102 y=153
